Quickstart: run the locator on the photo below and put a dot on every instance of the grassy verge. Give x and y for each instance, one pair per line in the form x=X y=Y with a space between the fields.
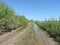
x=17 y=30
x=52 y=28
x=21 y=28
x=9 y=35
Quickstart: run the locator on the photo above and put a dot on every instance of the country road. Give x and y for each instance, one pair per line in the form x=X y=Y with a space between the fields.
x=25 y=37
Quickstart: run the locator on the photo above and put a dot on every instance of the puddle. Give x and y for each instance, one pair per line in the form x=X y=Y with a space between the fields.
x=38 y=31
x=43 y=37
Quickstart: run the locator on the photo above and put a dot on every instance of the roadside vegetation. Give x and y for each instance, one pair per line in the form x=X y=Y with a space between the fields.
x=52 y=26
x=9 y=20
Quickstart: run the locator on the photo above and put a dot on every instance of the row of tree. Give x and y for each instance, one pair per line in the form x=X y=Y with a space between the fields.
x=9 y=19
x=52 y=26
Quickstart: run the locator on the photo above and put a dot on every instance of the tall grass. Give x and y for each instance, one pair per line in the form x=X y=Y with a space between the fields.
x=52 y=27
x=9 y=20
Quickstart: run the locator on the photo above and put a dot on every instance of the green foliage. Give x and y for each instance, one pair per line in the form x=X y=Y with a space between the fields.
x=52 y=27
x=9 y=20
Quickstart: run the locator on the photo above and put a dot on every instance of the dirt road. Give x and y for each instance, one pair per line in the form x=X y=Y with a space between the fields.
x=11 y=38
x=26 y=37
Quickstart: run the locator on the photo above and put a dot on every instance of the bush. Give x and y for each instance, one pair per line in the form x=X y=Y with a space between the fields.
x=9 y=20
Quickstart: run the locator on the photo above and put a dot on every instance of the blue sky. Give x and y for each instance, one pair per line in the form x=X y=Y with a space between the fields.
x=36 y=9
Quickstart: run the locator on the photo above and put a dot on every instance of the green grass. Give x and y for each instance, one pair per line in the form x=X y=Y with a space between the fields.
x=21 y=28
x=9 y=20
x=52 y=27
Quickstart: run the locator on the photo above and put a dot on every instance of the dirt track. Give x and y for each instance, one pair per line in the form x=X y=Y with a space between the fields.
x=13 y=37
